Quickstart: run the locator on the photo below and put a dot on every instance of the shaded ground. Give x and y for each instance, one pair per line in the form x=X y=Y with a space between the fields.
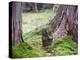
x=62 y=46
x=33 y=48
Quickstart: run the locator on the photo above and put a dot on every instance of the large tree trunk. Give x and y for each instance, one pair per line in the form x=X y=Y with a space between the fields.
x=65 y=22
x=16 y=23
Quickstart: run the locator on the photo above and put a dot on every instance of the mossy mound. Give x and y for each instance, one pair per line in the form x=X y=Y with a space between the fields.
x=24 y=50
x=65 y=46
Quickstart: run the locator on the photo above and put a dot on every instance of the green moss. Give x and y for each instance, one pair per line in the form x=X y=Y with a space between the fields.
x=66 y=46
x=24 y=50
x=62 y=46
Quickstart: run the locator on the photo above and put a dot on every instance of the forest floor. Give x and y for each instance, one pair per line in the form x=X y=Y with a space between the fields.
x=32 y=20
x=32 y=24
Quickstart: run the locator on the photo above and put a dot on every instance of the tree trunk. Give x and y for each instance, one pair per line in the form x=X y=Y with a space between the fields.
x=65 y=22
x=55 y=8
x=16 y=23
x=36 y=8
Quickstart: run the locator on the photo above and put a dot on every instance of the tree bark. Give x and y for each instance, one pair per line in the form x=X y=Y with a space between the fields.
x=65 y=22
x=36 y=8
x=16 y=23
